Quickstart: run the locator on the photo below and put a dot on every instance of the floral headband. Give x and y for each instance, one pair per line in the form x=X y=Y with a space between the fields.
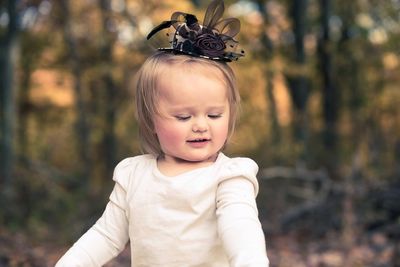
x=212 y=40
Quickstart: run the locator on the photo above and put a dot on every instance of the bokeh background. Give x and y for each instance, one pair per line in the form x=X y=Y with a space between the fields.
x=320 y=115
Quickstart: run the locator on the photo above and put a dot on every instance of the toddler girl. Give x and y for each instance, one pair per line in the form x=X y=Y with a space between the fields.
x=183 y=203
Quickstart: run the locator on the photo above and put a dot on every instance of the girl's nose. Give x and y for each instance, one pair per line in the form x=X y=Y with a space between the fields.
x=200 y=125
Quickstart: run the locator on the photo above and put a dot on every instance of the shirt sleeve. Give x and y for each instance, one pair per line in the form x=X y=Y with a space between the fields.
x=108 y=237
x=238 y=225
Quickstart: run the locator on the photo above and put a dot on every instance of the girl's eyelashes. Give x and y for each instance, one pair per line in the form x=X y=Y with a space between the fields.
x=214 y=116
x=182 y=117
x=187 y=117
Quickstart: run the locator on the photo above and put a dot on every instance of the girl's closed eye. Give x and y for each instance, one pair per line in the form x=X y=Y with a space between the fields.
x=182 y=117
x=215 y=116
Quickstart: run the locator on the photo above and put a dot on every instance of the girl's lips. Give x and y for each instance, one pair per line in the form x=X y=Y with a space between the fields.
x=198 y=142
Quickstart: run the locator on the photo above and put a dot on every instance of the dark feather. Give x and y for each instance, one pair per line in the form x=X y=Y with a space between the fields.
x=213 y=13
x=162 y=26
x=229 y=27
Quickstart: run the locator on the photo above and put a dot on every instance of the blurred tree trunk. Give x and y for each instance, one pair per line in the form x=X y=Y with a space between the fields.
x=329 y=92
x=74 y=61
x=270 y=75
x=9 y=49
x=31 y=49
x=24 y=105
x=297 y=78
x=110 y=89
x=349 y=70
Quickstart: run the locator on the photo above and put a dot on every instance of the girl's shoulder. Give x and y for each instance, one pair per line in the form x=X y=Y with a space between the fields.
x=237 y=166
x=131 y=161
x=128 y=166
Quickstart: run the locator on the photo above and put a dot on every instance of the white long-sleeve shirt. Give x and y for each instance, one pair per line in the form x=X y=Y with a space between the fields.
x=205 y=217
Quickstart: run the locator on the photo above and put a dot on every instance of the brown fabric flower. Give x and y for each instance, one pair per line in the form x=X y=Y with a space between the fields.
x=213 y=39
x=210 y=45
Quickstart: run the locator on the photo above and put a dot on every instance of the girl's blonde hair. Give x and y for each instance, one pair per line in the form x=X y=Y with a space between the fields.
x=147 y=94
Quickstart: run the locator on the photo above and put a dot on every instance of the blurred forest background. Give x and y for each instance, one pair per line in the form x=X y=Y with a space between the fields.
x=320 y=114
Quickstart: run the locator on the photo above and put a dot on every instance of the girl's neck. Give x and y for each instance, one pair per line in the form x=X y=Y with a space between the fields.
x=174 y=166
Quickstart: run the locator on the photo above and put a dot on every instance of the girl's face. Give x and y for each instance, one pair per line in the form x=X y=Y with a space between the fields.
x=193 y=120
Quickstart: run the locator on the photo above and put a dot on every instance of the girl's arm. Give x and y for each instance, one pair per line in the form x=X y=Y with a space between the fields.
x=238 y=224
x=105 y=240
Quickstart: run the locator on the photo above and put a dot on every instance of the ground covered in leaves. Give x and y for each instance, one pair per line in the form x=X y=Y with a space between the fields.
x=284 y=250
